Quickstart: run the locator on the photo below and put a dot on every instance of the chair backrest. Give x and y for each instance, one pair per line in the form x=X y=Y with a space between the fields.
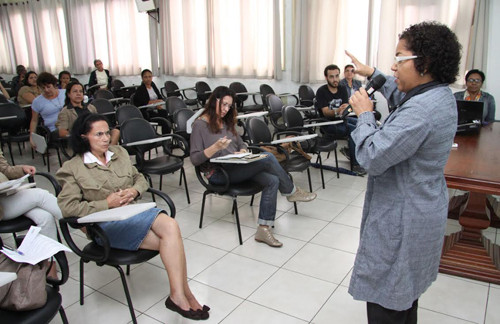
x=138 y=129
x=265 y=90
x=12 y=110
x=306 y=95
x=275 y=106
x=292 y=117
x=117 y=84
x=258 y=132
x=202 y=88
x=106 y=108
x=172 y=89
x=180 y=122
x=126 y=112
x=3 y=99
x=103 y=106
x=103 y=93
x=239 y=87
x=173 y=104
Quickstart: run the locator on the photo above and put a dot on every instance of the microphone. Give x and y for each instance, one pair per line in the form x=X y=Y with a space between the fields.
x=372 y=86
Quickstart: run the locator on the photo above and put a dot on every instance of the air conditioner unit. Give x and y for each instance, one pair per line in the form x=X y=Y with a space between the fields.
x=145 y=5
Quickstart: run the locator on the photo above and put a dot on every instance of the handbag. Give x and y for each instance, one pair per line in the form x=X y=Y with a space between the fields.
x=28 y=291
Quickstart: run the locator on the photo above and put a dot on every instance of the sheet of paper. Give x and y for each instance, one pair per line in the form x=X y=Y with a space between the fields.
x=13 y=183
x=35 y=248
x=233 y=156
x=116 y=214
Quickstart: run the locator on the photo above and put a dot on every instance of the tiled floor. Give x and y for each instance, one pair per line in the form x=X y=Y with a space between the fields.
x=305 y=281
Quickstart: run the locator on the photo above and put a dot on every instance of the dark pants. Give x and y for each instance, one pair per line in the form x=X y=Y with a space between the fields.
x=381 y=315
x=345 y=129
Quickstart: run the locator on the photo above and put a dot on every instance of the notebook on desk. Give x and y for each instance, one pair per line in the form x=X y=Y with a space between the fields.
x=470 y=115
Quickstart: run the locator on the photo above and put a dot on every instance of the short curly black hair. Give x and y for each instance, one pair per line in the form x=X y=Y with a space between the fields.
x=437 y=48
x=46 y=78
x=476 y=71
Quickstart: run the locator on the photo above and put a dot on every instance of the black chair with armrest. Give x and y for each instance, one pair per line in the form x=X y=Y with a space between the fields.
x=242 y=95
x=173 y=104
x=259 y=135
x=59 y=144
x=307 y=98
x=104 y=254
x=46 y=313
x=247 y=188
x=266 y=90
x=13 y=121
x=275 y=106
x=171 y=89
x=126 y=112
x=137 y=129
x=293 y=121
x=105 y=107
x=203 y=92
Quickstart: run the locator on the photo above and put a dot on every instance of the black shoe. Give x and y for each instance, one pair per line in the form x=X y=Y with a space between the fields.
x=204 y=312
x=345 y=152
x=358 y=170
x=191 y=314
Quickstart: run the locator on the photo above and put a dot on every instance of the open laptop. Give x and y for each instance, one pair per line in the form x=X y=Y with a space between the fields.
x=470 y=115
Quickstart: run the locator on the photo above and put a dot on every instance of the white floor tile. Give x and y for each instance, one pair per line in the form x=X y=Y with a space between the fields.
x=456 y=297
x=341 y=308
x=250 y=313
x=147 y=285
x=264 y=253
x=98 y=308
x=222 y=235
x=221 y=304
x=200 y=256
x=337 y=236
x=294 y=294
x=236 y=275
x=350 y=216
x=321 y=209
x=322 y=263
x=298 y=227
x=492 y=313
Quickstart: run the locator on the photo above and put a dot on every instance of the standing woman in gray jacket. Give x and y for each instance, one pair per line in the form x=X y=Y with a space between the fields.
x=406 y=202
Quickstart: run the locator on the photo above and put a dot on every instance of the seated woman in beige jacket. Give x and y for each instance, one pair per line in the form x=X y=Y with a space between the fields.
x=75 y=107
x=101 y=177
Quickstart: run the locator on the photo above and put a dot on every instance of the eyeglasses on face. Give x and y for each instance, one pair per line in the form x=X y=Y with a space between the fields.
x=471 y=80
x=401 y=59
x=102 y=134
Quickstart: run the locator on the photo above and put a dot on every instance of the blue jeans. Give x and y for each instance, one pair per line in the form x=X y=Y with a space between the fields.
x=345 y=129
x=269 y=174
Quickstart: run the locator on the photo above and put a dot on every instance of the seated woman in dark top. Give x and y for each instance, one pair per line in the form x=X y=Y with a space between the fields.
x=147 y=93
x=101 y=177
x=214 y=135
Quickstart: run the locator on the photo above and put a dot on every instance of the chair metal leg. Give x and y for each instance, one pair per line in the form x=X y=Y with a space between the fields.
x=337 y=164
x=10 y=151
x=309 y=177
x=237 y=216
x=127 y=294
x=321 y=170
x=161 y=181
x=64 y=319
x=183 y=174
x=81 y=282
x=295 y=207
x=148 y=177
x=251 y=200
x=203 y=207
x=128 y=270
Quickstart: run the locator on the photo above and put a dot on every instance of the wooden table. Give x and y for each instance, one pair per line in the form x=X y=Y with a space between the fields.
x=474 y=166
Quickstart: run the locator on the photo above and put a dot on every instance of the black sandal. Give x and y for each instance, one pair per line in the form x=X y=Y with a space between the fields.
x=204 y=312
x=191 y=314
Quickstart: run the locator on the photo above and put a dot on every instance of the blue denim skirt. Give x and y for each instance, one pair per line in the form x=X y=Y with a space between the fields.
x=128 y=234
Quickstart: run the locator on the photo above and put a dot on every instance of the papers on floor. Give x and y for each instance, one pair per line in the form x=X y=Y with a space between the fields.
x=35 y=248
x=116 y=214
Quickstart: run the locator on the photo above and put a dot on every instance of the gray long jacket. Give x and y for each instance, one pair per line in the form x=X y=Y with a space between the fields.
x=406 y=202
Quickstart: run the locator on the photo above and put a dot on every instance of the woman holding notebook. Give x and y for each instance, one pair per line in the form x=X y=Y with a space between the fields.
x=214 y=135
x=101 y=177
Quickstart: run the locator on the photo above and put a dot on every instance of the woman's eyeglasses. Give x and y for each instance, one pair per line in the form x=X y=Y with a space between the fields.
x=401 y=59
x=474 y=80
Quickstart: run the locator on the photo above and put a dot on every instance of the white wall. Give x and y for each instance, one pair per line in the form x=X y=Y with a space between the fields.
x=492 y=84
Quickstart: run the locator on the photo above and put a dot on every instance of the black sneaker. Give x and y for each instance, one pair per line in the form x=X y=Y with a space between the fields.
x=345 y=152
x=358 y=170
